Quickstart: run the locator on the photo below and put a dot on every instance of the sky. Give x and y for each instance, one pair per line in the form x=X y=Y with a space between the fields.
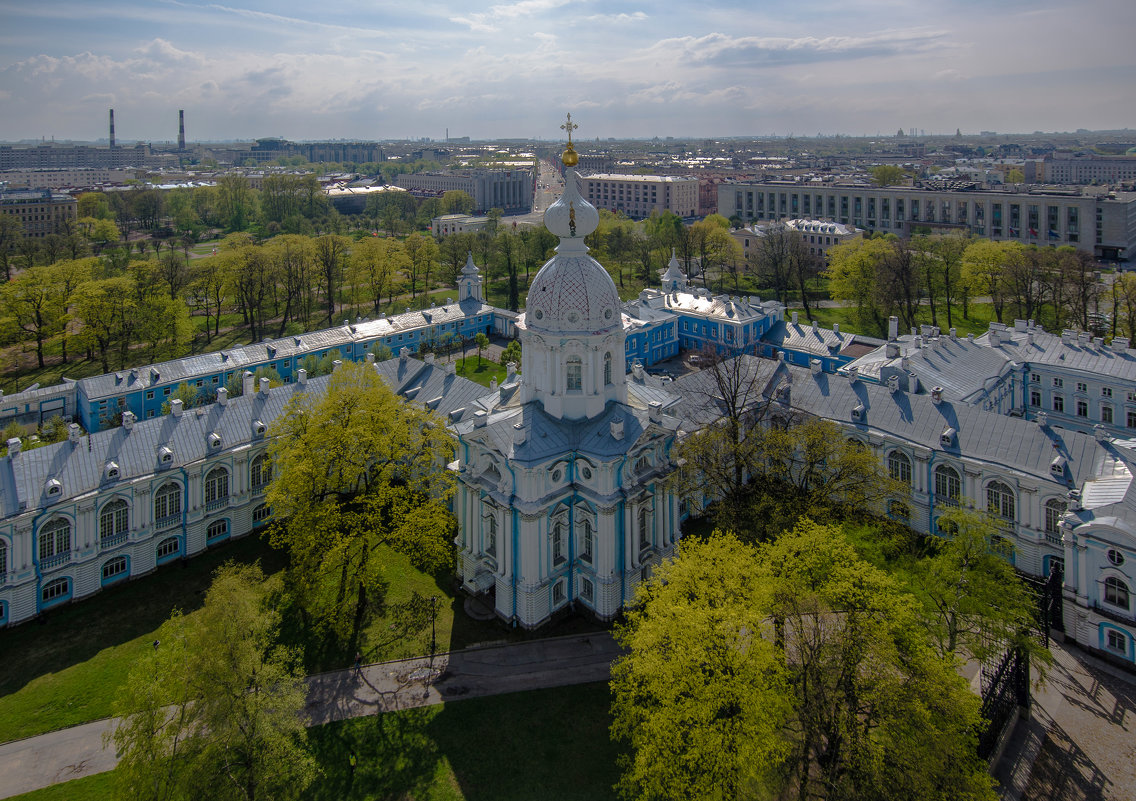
x=375 y=69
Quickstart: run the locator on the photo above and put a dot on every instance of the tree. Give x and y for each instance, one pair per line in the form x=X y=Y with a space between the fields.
x=356 y=469
x=207 y=285
x=853 y=272
x=422 y=251
x=888 y=175
x=1015 y=176
x=793 y=669
x=482 y=342
x=32 y=300
x=11 y=232
x=106 y=308
x=235 y=201
x=456 y=201
x=214 y=709
x=512 y=353
x=984 y=269
x=331 y=251
x=975 y=603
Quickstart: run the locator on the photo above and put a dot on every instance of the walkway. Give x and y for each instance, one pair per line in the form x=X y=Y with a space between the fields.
x=475 y=672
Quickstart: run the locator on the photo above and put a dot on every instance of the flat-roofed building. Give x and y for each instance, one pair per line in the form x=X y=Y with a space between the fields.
x=1103 y=223
x=508 y=190
x=40 y=211
x=63 y=177
x=639 y=195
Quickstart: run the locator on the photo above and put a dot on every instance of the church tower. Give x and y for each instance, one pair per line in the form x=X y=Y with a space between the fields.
x=572 y=339
x=469 y=286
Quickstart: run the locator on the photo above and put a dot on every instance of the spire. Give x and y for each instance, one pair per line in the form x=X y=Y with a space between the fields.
x=571 y=217
x=674 y=279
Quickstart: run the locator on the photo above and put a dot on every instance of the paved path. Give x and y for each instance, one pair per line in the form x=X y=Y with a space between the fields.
x=67 y=754
x=1079 y=743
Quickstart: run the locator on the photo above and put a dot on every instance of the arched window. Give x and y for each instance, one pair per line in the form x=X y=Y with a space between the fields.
x=558 y=555
x=261 y=513
x=217 y=485
x=948 y=485
x=171 y=546
x=218 y=529
x=587 y=541
x=644 y=528
x=607 y=369
x=575 y=380
x=114 y=568
x=491 y=535
x=167 y=503
x=1116 y=592
x=899 y=466
x=59 y=589
x=54 y=538
x=114 y=520
x=1000 y=500
x=3 y=560
x=1054 y=508
x=260 y=472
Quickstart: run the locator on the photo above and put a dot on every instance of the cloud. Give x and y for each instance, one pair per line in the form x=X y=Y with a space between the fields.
x=488 y=21
x=615 y=19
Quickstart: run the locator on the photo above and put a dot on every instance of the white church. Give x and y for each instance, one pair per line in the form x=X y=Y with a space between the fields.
x=560 y=499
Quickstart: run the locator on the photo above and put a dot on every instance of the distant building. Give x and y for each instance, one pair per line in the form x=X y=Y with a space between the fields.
x=40 y=211
x=639 y=195
x=41 y=157
x=1068 y=167
x=508 y=190
x=819 y=236
x=63 y=177
x=457 y=224
x=1102 y=223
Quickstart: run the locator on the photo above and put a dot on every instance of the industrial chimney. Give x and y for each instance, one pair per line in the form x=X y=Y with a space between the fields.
x=112 y=128
x=181 y=129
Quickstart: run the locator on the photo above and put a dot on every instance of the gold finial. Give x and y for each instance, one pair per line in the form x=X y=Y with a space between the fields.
x=570 y=158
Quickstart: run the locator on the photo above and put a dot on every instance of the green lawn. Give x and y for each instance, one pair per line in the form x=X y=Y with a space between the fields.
x=977 y=321
x=481 y=373
x=551 y=745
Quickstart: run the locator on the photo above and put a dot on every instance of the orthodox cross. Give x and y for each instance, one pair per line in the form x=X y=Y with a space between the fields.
x=569 y=127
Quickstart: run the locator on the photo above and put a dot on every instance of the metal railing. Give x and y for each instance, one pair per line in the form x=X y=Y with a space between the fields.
x=52 y=562
x=113 y=541
x=167 y=522
x=220 y=503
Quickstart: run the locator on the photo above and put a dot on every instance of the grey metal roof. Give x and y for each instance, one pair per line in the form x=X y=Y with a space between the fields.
x=818 y=341
x=79 y=467
x=1049 y=349
x=433 y=386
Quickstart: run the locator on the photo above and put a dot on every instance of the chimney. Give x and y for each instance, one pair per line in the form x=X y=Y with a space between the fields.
x=654 y=411
x=13 y=447
x=1101 y=433
x=617 y=429
x=128 y=419
x=181 y=129
x=222 y=396
x=451 y=368
x=893 y=383
x=370 y=358
x=264 y=386
x=893 y=327
x=74 y=432
x=994 y=338
x=492 y=384
x=794 y=318
x=301 y=376
x=335 y=365
x=891 y=350
x=112 y=129
x=954 y=333
x=815 y=326
x=246 y=384
x=175 y=407
x=816 y=366
x=1042 y=419
x=520 y=434
x=403 y=354
x=853 y=374
x=510 y=372
x=429 y=358
x=836 y=328
x=936 y=395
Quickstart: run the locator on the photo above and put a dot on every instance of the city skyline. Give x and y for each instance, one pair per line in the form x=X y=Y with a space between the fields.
x=626 y=69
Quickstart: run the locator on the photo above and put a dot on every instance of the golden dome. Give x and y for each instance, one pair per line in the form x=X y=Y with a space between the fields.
x=570 y=157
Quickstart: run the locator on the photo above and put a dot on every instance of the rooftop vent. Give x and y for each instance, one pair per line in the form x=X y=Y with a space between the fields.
x=214 y=441
x=128 y=420
x=1057 y=466
x=14 y=446
x=936 y=395
x=858 y=412
x=617 y=429
x=947 y=438
x=111 y=471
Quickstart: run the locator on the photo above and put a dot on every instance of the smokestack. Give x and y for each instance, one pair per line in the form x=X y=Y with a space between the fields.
x=181 y=129
x=112 y=128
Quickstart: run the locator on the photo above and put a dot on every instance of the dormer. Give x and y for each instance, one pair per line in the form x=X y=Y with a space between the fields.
x=1057 y=466
x=947 y=438
x=214 y=441
x=53 y=488
x=165 y=456
x=259 y=429
x=111 y=471
x=858 y=412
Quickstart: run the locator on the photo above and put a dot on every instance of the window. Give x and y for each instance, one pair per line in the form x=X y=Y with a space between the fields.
x=260 y=472
x=607 y=369
x=575 y=374
x=1000 y=500
x=899 y=466
x=558 y=556
x=54 y=590
x=113 y=520
x=1058 y=403
x=168 y=547
x=114 y=567
x=1082 y=387
x=587 y=590
x=217 y=529
x=587 y=541
x=1106 y=392
x=558 y=595
x=491 y=535
x=217 y=485
x=54 y=538
x=948 y=485
x=150 y=395
x=261 y=513
x=644 y=528
x=1054 y=508
x=1106 y=413
x=1116 y=592
x=1116 y=641
x=1115 y=557
x=167 y=502
x=1082 y=408
x=1057 y=382
x=1035 y=398
x=3 y=560
x=1056 y=565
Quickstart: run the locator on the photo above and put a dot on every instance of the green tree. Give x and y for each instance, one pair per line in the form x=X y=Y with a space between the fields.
x=11 y=233
x=214 y=709
x=456 y=201
x=422 y=253
x=482 y=342
x=107 y=310
x=853 y=272
x=33 y=303
x=331 y=253
x=189 y=397
x=355 y=469
x=984 y=264
x=888 y=175
x=512 y=353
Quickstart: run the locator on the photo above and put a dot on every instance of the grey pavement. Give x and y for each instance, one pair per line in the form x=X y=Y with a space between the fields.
x=1079 y=741
x=475 y=672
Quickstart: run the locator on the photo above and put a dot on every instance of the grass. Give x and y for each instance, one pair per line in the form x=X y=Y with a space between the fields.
x=481 y=373
x=547 y=744
x=66 y=668
x=977 y=321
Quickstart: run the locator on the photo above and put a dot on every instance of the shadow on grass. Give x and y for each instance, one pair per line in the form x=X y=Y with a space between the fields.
x=516 y=746
x=73 y=634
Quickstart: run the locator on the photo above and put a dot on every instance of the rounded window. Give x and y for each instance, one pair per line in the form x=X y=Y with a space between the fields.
x=586 y=473
x=607 y=314
x=573 y=317
x=538 y=314
x=1115 y=557
x=556 y=474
